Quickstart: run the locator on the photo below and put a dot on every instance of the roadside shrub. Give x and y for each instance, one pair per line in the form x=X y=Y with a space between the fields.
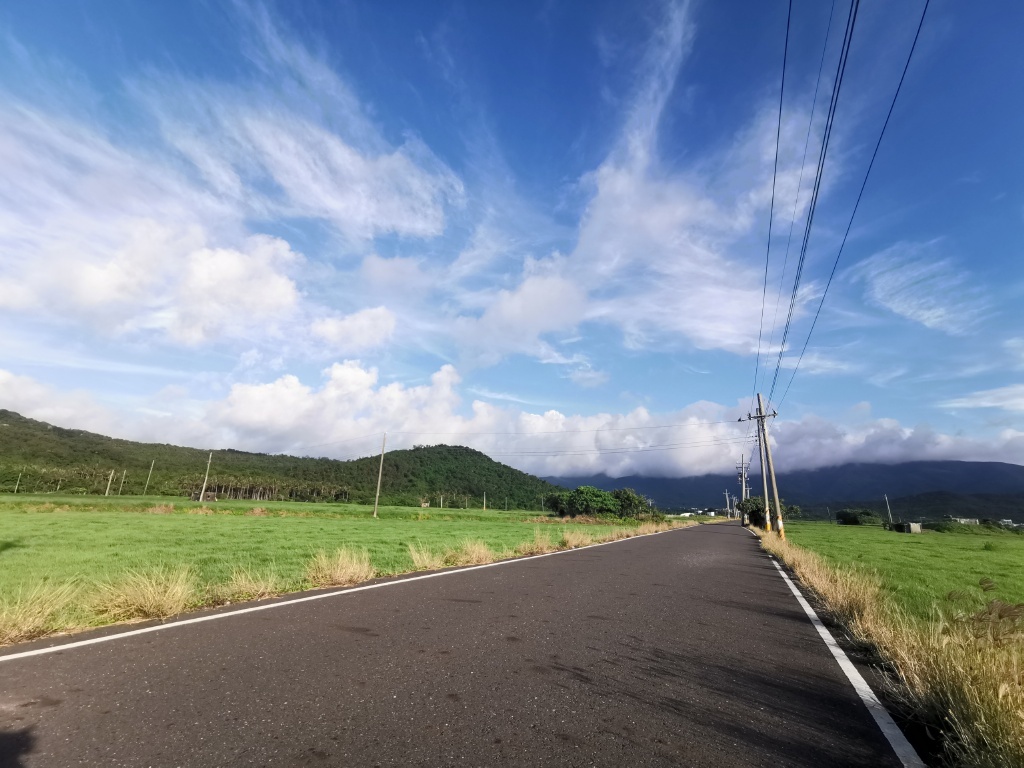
x=587 y=500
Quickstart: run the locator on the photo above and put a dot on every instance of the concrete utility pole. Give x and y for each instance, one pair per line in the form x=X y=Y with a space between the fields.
x=124 y=473
x=485 y=501
x=380 y=473
x=771 y=469
x=17 y=484
x=888 y=507
x=202 y=493
x=109 y=481
x=741 y=470
x=728 y=510
x=151 y=464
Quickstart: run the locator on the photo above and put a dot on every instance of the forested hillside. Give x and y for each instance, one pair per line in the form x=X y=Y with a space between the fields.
x=49 y=458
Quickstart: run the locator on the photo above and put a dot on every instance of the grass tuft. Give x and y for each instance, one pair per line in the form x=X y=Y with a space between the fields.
x=572 y=538
x=201 y=511
x=343 y=568
x=471 y=552
x=258 y=512
x=151 y=594
x=540 y=545
x=247 y=583
x=161 y=509
x=423 y=559
x=35 y=612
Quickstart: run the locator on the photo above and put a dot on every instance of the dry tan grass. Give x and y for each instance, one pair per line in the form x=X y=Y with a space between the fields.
x=423 y=559
x=35 y=612
x=343 y=568
x=258 y=512
x=247 y=583
x=151 y=594
x=962 y=672
x=572 y=538
x=540 y=545
x=200 y=511
x=161 y=509
x=470 y=552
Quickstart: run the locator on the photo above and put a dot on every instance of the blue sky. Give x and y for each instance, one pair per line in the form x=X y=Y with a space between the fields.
x=534 y=228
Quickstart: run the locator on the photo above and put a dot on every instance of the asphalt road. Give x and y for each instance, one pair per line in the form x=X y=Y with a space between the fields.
x=684 y=648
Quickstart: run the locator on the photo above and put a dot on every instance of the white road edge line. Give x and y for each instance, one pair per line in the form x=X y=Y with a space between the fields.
x=903 y=749
x=321 y=596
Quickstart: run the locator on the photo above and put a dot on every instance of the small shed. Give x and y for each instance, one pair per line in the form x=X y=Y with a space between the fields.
x=906 y=527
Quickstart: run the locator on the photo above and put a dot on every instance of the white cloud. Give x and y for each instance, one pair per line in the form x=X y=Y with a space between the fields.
x=1009 y=398
x=911 y=281
x=344 y=415
x=357 y=332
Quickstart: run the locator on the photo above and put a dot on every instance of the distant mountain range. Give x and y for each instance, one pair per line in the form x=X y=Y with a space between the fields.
x=934 y=485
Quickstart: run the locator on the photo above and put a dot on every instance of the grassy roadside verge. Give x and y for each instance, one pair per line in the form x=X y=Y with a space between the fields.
x=67 y=567
x=959 y=669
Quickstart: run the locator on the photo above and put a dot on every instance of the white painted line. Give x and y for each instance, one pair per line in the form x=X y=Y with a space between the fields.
x=308 y=598
x=903 y=749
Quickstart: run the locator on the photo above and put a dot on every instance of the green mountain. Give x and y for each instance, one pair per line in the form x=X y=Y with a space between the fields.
x=49 y=458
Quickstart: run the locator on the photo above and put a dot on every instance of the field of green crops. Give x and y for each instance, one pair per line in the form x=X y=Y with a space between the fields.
x=919 y=570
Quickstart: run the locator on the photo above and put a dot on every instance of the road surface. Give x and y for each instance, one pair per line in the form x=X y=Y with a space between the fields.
x=682 y=648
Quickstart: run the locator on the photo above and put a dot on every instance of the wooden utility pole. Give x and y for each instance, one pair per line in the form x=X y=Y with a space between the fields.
x=149 y=477
x=17 y=484
x=771 y=470
x=124 y=473
x=202 y=493
x=109 y=481
x=380 y=473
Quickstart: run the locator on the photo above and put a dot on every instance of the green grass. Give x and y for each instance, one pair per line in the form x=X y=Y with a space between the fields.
x=919 y=570
x=53 y=540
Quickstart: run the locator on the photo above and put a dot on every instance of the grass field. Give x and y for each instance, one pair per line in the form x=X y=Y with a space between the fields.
x=69 y=562
x=957 y=658
x=919 y=570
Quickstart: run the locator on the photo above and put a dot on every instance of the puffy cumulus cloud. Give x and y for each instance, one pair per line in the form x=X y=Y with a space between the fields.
x=909 y=280
x=343 y=416
x=359 y=331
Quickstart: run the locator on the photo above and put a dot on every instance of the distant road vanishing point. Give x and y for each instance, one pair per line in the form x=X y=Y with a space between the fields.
x=681 y=648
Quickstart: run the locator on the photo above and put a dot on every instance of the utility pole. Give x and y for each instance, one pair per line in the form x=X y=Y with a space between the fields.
x=380 y=473
x=780 y=529
x=109 y=481
x=728 y=510
x=17 y=484
x=202 y=493
x=485 y=501
x=888 y=507
x=153 y=462
x=120 y=488
x=741 y=470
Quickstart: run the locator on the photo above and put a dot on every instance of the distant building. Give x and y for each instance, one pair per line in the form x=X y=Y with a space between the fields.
x=966 y=520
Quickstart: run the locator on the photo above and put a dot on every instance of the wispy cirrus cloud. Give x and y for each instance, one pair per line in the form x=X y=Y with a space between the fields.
x=914 y=282
x=1010 y=398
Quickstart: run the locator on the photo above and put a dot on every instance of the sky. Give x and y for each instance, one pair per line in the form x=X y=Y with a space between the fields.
x=540 y=229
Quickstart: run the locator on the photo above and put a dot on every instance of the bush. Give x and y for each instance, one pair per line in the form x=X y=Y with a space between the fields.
x=857 y=517
x=587 y=500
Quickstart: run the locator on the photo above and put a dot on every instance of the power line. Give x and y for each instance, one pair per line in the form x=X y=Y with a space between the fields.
x=800 y=180
x=771 y=211
x=860 y=194
x=844 y=55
